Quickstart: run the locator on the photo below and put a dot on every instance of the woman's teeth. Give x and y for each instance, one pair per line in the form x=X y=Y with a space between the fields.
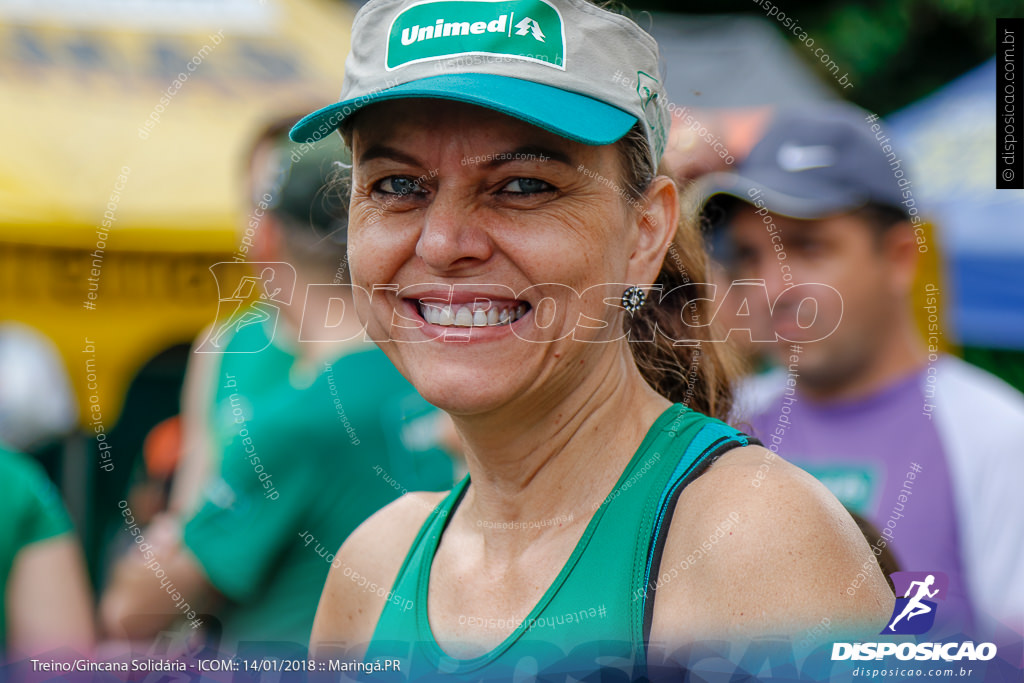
x=478 y=314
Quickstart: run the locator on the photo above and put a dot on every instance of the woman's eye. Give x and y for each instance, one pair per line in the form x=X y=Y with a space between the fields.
x=527 y=186
x=398 y=185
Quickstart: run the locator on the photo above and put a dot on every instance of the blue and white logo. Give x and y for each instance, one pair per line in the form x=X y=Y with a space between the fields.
x=914 y=613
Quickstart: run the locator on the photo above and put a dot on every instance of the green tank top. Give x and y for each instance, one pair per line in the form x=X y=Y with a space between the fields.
x=598 y=609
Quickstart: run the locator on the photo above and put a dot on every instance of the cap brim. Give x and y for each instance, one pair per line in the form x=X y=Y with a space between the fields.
x=569 y=115
x=822 y=205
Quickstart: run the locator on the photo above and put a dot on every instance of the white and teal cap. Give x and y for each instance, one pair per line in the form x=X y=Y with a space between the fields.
x=567 y=66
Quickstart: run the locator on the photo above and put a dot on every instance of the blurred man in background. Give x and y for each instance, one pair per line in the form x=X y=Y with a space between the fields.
x=925 y=446
x=289 y=444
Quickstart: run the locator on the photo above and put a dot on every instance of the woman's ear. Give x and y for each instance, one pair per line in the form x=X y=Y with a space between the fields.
x=656 y=221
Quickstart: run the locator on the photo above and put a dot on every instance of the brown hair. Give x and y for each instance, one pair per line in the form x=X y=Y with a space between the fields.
x=698 y=372
x=881 y=218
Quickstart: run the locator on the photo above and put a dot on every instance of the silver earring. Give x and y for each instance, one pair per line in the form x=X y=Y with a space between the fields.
x=633 y=299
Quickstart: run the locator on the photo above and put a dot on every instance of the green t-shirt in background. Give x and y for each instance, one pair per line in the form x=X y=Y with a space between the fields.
x=32 y=511
x=303 y=462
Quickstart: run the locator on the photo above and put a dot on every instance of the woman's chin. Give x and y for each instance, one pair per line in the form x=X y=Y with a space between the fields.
x=467 y=397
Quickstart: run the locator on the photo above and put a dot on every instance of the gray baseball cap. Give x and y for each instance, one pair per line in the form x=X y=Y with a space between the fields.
x=813 y=162
x=567 y=66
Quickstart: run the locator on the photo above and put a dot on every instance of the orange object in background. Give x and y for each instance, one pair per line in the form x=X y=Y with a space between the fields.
x=162 y=448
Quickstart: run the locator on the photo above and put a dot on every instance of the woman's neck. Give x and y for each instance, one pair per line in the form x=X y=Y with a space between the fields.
x=541 y=462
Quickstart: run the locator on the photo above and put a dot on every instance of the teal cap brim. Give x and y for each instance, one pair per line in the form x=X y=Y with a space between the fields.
x=567 y=114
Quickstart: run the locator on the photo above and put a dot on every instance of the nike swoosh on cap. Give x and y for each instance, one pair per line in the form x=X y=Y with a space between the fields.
x=796 y=158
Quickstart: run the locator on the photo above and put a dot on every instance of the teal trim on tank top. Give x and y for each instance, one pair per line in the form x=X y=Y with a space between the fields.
x=708 y=438
x=615 y=550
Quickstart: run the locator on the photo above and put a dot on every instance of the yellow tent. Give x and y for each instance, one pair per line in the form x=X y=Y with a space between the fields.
x=123 y=130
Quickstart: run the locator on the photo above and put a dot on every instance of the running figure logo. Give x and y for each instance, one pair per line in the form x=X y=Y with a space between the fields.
x=252 y=300
x=914 y=613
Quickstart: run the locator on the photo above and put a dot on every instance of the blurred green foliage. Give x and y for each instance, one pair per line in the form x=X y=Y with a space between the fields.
x=896 y=51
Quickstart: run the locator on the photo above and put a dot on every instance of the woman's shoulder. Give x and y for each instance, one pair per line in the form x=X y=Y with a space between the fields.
x=755 y=480
x=757 y=490
x=760 y=546
x=365 y=569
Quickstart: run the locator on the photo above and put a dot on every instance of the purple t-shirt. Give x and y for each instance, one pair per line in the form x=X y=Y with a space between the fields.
x=882 y=458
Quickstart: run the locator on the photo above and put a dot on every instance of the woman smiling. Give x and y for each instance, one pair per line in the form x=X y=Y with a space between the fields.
x=537 y=297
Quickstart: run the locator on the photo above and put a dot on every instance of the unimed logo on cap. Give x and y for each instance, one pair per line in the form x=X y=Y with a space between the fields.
x=520 y=29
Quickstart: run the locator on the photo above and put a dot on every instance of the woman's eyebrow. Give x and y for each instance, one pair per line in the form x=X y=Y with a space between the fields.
x=385 y=152
x=529 y=153
x=523 y=153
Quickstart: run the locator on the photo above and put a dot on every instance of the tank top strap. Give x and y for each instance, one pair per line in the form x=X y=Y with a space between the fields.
x=432 y=527
x=712 y=440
